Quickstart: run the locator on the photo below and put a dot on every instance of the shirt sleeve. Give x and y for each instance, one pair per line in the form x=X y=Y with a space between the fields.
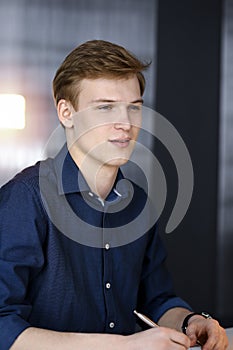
x=21 y=256
x=156 y=292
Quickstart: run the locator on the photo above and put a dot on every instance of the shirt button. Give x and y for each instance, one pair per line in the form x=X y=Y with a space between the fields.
x=111 y=324
x=107 y=246
x=108 y=285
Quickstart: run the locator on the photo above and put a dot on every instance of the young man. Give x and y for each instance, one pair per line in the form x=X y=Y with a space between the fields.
x=75 y=260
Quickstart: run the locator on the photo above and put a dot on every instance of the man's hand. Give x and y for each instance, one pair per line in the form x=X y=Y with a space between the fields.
x=160 y=338
x=206 y=332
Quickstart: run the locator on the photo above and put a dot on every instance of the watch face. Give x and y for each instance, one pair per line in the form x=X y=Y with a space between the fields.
x=205 y=314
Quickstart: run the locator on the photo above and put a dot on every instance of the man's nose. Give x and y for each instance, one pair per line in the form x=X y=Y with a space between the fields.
x=123 y=119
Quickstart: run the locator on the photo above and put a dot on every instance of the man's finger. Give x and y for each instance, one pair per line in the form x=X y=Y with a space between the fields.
x=179 y=343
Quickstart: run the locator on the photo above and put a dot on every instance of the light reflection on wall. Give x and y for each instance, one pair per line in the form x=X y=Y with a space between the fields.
x=12 y=111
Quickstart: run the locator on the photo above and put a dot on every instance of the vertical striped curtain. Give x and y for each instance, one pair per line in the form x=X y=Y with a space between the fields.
x=225 y=203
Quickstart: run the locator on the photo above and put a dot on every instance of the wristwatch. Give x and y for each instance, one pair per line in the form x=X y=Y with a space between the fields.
x=185 y=322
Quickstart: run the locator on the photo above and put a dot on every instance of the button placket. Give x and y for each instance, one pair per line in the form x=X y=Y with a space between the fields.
x=107 y=276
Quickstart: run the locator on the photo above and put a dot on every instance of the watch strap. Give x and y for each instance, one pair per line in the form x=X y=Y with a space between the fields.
x=185 y=322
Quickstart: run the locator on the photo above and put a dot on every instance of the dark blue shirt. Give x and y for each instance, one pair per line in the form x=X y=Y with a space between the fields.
x=72 y=262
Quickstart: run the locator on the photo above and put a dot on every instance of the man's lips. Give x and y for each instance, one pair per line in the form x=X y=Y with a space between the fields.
x=121 y=142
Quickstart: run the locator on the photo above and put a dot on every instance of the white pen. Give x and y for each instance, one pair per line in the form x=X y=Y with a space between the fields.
x=146 y=319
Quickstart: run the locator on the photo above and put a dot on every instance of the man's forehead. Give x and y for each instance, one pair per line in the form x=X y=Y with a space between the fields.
x=111 y=90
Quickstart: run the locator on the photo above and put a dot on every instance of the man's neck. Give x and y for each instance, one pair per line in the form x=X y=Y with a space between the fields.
x=100 y=178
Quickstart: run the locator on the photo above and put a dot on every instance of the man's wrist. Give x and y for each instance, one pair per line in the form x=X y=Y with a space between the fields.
x=188 y=317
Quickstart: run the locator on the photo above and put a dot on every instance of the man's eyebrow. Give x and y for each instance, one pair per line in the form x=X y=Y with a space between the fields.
x=103 y=100
x=140 y=100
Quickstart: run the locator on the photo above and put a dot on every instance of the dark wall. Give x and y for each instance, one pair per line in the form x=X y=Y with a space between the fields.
x=187 y=85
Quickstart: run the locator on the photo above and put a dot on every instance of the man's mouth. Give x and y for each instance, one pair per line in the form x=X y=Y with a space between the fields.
x=120 y=142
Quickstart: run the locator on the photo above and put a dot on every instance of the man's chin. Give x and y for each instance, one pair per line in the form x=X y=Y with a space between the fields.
x=117 y=162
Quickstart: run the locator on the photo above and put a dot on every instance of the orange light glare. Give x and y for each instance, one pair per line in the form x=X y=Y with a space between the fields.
x=12 y=111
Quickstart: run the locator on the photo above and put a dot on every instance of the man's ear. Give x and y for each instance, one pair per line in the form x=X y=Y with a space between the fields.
x=65 y=113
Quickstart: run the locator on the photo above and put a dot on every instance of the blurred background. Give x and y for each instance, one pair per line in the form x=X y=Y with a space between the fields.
x=190 y=82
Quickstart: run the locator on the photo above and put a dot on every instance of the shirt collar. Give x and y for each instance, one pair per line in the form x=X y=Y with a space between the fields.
x=71 y=180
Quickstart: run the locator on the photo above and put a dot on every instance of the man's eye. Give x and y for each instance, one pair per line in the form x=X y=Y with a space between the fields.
x=135 y=108
x=105 y=107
